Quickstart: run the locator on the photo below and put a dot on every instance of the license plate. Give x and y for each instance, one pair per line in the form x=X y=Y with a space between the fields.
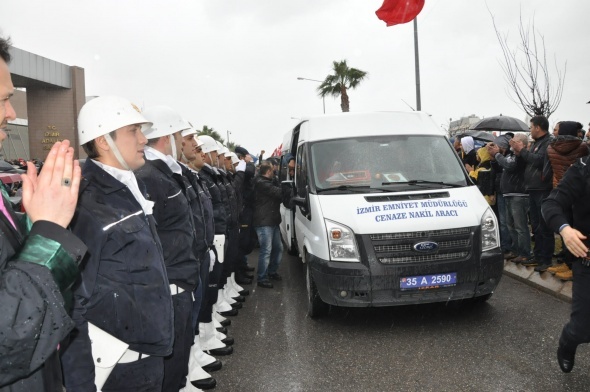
x=428 y=281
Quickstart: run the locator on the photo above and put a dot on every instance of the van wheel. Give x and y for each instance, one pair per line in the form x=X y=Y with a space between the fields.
x=315 y=306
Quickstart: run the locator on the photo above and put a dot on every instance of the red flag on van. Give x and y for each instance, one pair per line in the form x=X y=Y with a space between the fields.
x=395 y=12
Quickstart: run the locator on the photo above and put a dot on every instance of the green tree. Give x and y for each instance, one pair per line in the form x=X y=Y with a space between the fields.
x=340 y=81
x=211 y=132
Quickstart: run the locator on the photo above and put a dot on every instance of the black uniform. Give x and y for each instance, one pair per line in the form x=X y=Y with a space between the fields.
x=171 y=193
x=33 y=319
x=220 y=217
x=123 y=288
x=247 y=232
x=574 y=192
x=202 y=208
x=233 y=232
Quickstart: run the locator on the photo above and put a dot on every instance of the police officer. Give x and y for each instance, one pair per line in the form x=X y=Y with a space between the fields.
x=123 y=289
x=247 y=233
x=567 y=212
x=232 y=291
x=200 y=363
x=170 y=191
x=35 y=268
x=206 y=155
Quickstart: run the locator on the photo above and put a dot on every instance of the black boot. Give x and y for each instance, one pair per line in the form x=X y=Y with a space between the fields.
x=565 y=355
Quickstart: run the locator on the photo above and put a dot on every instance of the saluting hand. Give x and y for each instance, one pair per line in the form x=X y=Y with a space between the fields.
x=53 y=194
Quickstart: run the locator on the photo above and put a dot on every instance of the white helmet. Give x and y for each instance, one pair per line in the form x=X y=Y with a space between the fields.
x=234 y=158
x=209 y=144
x=102 y=115
x=189 y=131
x=166 y=121
x=222 y=149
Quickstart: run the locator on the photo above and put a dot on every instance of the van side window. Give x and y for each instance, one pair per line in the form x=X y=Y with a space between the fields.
x=301 y=171
x=283 y=170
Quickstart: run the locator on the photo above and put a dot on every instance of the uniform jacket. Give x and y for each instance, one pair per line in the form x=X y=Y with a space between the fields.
x=33 y=319
x=212 y=184
x=174 y=222
x=225 y=200
x=202 y=208
x=237 y=182
x=232 y=199
x=535 y=177
x=562 y=152
x=268 y=197
x=123 y=288
x=572 y=192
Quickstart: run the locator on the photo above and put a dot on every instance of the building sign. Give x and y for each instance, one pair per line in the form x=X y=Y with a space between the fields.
x=50 y=137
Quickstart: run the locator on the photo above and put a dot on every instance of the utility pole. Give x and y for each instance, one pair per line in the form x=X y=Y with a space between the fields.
x=417 y=65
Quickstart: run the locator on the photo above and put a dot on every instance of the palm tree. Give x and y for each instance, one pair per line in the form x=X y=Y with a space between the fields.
x=211 y=132
x=339 y=82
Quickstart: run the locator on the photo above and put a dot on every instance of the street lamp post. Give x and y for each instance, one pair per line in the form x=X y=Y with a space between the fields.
x=319 y=81
x=228 y=133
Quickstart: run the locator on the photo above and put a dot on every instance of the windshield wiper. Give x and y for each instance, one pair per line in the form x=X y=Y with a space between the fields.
x=354 y=188
x=423 y=182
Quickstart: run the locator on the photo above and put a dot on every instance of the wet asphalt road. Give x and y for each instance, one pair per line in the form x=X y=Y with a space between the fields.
x=506 y=344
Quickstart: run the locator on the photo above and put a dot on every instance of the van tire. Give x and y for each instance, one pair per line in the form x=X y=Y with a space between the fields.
x=315 y=306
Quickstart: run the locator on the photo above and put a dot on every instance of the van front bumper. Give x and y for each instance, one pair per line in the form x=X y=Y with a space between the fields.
x=353 y=284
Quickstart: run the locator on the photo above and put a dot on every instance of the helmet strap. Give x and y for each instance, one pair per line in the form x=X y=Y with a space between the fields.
x=116 y=151
x=173 y=145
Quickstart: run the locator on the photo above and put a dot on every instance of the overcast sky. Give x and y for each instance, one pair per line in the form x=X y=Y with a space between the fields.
x=233 y=64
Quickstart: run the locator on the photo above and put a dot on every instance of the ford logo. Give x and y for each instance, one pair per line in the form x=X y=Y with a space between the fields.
x=426 y=246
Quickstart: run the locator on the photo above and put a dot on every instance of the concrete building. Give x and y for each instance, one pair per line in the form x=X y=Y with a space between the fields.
x=47 y=102
x=462 y=125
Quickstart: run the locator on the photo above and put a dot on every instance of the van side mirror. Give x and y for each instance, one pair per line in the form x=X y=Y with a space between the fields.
x=303 y=203
x=299 y=201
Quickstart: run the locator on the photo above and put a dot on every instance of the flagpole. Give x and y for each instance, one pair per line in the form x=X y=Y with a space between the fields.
x=417 y=65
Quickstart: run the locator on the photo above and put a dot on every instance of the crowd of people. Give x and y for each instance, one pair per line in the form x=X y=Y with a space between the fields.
x=544 y=184
x=125 y=272
x=515 y=173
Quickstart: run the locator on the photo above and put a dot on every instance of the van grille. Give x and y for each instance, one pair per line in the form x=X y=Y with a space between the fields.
x=398 y=248
x=420 y=234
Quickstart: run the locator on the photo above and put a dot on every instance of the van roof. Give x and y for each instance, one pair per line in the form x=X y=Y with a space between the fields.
x=344 y=125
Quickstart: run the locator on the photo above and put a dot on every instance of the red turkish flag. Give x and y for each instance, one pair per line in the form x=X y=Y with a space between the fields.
x=395 y=12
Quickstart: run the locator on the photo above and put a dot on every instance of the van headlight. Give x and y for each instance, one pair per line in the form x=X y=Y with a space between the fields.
x=490 y=235
x=341 y=242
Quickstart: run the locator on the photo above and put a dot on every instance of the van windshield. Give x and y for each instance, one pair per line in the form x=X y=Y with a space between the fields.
x=385 y=162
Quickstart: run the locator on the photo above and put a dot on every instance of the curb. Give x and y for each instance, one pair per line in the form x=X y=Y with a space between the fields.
x=544 y=281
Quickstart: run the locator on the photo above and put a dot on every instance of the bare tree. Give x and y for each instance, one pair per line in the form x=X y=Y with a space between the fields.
x=527 y=71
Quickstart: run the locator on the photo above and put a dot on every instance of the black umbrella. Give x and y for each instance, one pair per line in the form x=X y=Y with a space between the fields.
x=478 y=135
x=501 y=123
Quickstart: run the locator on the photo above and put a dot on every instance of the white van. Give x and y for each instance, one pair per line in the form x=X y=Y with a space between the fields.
x=384 y=213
